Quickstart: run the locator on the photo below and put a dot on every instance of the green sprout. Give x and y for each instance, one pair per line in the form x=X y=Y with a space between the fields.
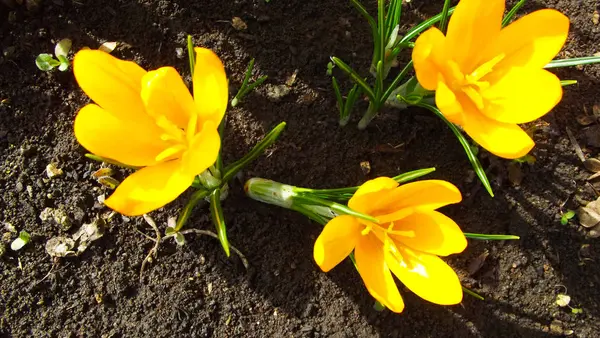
x=47 y=62
x=20 y=241
x=246 y=86
x=564 y=218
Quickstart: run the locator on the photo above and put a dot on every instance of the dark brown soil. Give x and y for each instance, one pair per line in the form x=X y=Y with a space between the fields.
x=195 y=291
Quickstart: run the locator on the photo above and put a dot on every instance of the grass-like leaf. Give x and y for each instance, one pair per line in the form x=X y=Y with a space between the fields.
x=216 y=213
x=573 y=62
x=232 y=169
x=355 y=77
x=418 y=29
x=463 y=141
x=486 y=237
x=512 y=12
x=444 y=18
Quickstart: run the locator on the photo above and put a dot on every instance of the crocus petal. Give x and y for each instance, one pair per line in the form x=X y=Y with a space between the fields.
x=149 y=188
x=427 y=57
x=425 y=195
x=106 y=134
x=472 y=27
x=431 y=232
x=532 y=41
x=367 y=195
x=336 y=241
x=522 y=95
x=203 y=150
x=426 y=275
x=448 y=103
x=165 y=94
x=375 y=274
x=113 y=84
x=506 y=140
x=210 y=86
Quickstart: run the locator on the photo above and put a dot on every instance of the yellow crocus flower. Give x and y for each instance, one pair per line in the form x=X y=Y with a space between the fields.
x=407 y=240
x=150 y=120
x=488 y=78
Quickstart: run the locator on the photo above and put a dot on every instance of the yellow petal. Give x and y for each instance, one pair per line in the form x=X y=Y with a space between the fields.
x=106 y=134
x=448 y=103
x=203 y=150
x=522 y=95
x=423 y=195
x=428 y=54
x=375 y=273
x=336 y=241
x=426 y=275
x=431 y=232
x=113 y=84
x=149 y=188
x=506 y=140
x=210 y=86
x=365 y=198
x=165 y=94
x=532 y=41
x=472 y=27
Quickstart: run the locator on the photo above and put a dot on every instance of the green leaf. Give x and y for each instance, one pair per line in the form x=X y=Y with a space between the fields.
x=355 y=77
x=344 y=194
x=573 y=62
x=381 y=42
x=187 y=210
x=486 y=237
x=418 y=29
x=232 y=169
x=570 y=214
x=46 y=62
x=62 y=48
x=378 y=306
x=412 y=175
x=512 y=12
x=20 y=241
x=336 y=207
x=444 y=18
x=472 y=293
x=393 y=19
x=179 y=239
x=216 y=212
x=565 y=83
x=338 y=97
x=466 y=146
x=191 y=54
x=396 y=82
x=64 y=63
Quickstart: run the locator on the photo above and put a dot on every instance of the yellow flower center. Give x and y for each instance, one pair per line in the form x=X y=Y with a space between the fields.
x=178 y=139
x=471 y=84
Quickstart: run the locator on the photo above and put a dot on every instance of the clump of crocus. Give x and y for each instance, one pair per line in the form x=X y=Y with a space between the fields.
x=487 y=78
x=406 y=241
x=150 y=120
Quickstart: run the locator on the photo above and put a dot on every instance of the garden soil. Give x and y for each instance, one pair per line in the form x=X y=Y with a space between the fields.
x=195 y=290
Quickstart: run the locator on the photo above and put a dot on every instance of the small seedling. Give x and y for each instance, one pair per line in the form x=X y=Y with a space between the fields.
x=246 y=86
x=47 y=62
x=564 y=219
x=563 y=300
x=21 y=241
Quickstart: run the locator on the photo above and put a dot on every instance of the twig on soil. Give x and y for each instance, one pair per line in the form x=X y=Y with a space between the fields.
x=154 y=250
x=212 y=234
x=573 y=140
x=159 y=239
